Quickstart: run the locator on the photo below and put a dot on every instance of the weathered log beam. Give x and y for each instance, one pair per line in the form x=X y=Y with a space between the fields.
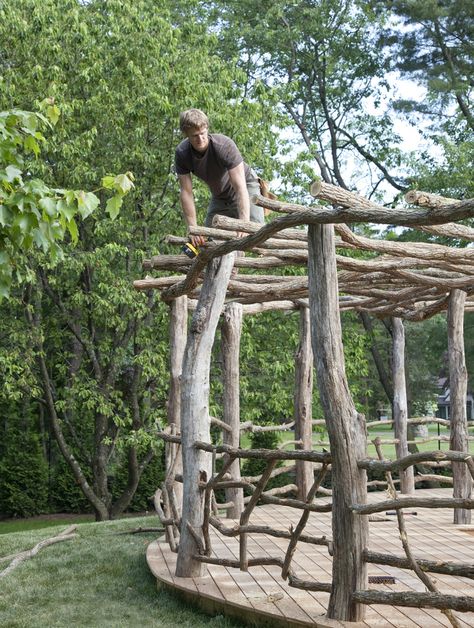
x=255 y=529
x=413 y=459
x=195 y=422
x=412 y=502
x=463 y=570
x=458 y=390
x=427 y=199
x=308 y=585
x=232 y=224
x=463 y=604
x=345 y=426
x=265 y=454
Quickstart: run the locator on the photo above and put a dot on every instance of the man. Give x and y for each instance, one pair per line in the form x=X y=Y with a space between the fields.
x=216 y=160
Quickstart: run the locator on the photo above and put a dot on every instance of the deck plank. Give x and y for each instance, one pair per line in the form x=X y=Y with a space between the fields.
x=261 y=592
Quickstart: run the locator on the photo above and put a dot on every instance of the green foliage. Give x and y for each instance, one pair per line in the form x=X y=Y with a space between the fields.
x=430 y=43
x=320 y=63
x=120 y=72
x=31 y=213
x=260 y=440
x=24 y=485
x=64 y=493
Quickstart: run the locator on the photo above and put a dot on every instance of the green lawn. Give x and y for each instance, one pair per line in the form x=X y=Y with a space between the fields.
x=100 y=579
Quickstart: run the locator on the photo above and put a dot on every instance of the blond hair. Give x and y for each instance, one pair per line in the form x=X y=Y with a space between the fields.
x=192 y=119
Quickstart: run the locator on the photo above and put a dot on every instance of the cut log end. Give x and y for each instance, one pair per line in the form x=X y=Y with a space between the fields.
x=315 y=188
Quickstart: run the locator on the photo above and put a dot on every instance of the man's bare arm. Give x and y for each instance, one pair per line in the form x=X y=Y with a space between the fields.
x=186 y=198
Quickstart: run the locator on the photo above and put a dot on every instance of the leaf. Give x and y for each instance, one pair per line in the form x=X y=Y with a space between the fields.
x=5 y=216
x=108 y=182
x=53 y=112
x=87 y=202
x=72 y=228
x=50 y=206
x=31 y=145
x=66 y=209
x=123 y=183
x=13 y=173
x=113 y=205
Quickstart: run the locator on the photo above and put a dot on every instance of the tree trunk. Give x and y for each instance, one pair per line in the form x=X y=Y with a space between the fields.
x=400 y=407
x=458 y=389
x=346 y=429
x=231 y=331
x=378 y=360
x=303 y=402
x=178 y=335
x=195 y=422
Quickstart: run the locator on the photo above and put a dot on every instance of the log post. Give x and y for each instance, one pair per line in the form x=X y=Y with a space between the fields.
x=178 y=334
x=231 y=329
x=400 y=405
x=303 y=401
x=458 y=389
x=346 y=429
x=195 y=422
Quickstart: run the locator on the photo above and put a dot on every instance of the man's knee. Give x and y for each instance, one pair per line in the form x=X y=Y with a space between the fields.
x=257 y=214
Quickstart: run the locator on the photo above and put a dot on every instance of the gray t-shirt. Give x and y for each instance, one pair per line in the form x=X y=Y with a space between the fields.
x=213 y=165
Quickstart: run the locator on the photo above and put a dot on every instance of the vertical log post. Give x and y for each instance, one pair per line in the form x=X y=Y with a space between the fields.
x=178 y=334
x=195 y=422
x=400 y=405
x=303 y=401
x=231 y=329
x=346 y=429
x=458 y=389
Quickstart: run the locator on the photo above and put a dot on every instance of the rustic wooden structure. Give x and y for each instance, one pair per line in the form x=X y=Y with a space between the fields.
x=409 y=281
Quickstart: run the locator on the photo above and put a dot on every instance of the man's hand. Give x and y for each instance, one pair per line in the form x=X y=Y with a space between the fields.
x=197 y=240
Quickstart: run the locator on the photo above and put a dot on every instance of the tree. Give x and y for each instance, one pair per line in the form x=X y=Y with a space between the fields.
x=431 y=44
x=121 y=72
x=31 y=213
x=321 y=63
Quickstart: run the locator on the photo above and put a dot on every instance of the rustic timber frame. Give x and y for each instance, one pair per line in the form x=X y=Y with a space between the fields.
x=410 y=281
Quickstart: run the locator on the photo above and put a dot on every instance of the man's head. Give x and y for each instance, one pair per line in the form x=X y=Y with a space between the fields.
x=195 y=124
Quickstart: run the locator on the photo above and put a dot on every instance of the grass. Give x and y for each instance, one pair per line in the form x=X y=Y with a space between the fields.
x=100 y=579
x=38 y=523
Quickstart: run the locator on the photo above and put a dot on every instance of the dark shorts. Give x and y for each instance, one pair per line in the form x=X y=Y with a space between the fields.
x=230 y=208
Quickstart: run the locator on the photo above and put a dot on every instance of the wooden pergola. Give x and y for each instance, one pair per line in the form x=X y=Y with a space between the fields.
x=404 y=281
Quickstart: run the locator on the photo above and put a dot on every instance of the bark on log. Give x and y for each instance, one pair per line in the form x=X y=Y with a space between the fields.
x=232 y=224
x=255 y=529
x=412 y=502
x=360 y=212
x=412 y=459
x=458 y=388
x=346 y=428
x=195 y=423
x=463 y=570
x=231 y=328
x=303 y=398
x=178 y=335
x=426 y=199
x=460 y=603
x=266 y=454
x=400 y=406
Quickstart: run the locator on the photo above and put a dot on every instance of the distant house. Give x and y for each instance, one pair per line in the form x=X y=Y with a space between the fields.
x=444 y=401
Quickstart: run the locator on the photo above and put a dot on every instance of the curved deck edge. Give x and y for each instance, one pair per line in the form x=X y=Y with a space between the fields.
x=205 y=594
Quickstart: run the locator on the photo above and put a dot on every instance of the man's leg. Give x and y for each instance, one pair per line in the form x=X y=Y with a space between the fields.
x=256 y=212
x=230 y=209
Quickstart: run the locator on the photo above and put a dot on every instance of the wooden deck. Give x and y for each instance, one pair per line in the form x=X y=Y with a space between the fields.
x=261 y=597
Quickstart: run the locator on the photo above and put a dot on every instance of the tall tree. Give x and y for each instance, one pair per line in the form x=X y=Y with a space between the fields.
x=320 y=61
x=121 y=72
x=432 y=45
